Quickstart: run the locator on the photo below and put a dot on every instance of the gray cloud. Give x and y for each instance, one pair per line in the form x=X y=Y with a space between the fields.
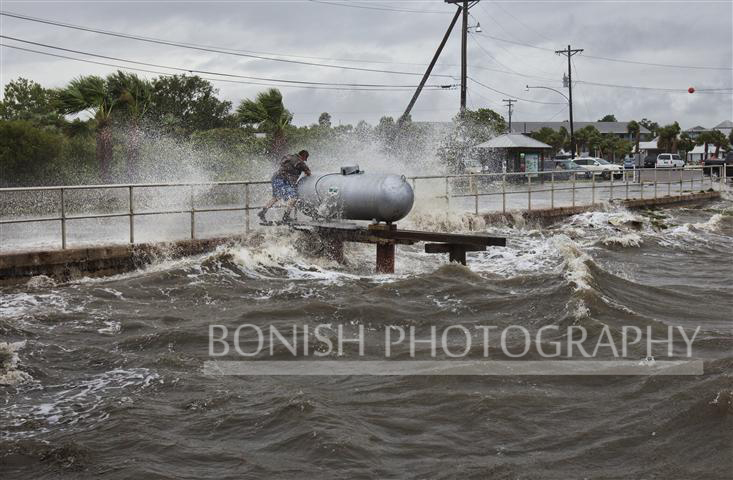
x=685 y=33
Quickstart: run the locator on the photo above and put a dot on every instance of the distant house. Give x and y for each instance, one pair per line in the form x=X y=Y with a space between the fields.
x=725 y=126
x=694 y=132
x=618 y=129
x=517 y=152
x=649 y=148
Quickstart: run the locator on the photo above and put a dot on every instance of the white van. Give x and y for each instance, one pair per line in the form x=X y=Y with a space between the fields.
x=669 y=160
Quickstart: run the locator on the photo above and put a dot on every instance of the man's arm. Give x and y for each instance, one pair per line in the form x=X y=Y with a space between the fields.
x=304 y=168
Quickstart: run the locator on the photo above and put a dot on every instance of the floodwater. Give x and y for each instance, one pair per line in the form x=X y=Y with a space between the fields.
x=104 y=378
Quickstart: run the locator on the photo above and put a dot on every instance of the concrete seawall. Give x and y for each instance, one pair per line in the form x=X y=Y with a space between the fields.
x=97 y=261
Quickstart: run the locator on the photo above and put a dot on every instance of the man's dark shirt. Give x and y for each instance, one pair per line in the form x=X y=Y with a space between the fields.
x=290 y=168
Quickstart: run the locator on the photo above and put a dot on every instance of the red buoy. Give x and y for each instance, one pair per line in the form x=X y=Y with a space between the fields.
x=691 y=90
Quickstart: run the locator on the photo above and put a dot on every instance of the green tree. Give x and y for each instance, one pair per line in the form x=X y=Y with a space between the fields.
x=668 y=137
x=134 y=97
x=324 y=120
x=588 y=139
x=268 y=113
x=685 y=143
x=544 y=134
x=232 y=147
x=184 y=104
x=720 y=141
x=653 y=127
x=608 y=118
x=485 y=119
x=28 y=153
x=92 y=94
x=705 y=138
x=469 y=129
x=27 y=100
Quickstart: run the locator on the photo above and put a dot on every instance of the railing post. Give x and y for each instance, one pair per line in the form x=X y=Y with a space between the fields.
x=246 y=208
x=669 y=184
x=655 y=181
x=447 y=192
x=626 y=179
x=503 y=192
x=725 y=172
x=63 y=221
x=132 y=218
x=610 y=192
x=552 y=189
x=593 y=189
x=641 y=182
x=573 y=190
x=529 y=192
x=724 y=168
x=670 y=181
x=193 y=217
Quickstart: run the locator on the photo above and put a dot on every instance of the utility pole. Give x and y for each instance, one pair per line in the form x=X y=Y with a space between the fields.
x=464 y=56
x=463 y=6
x=430 y=67
x=509 y=102
x=569 y=53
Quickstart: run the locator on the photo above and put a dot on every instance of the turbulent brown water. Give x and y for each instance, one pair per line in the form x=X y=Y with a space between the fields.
x=104 y=377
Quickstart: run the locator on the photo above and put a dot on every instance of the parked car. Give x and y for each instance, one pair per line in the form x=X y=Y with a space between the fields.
x=650 y=161
x=629 y=163
x=669 y=160
x=717 y=163
x=565 y=166
x=599 y=166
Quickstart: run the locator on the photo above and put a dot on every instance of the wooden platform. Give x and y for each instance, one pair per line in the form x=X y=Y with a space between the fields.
x=386 y=236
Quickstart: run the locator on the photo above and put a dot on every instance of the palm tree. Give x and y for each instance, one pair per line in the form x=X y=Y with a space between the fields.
x=135 y=99
x=705 y=138
x=668 y=137
x=634 y=130
x=270 y=116
x=91 y=94
x=719 y=140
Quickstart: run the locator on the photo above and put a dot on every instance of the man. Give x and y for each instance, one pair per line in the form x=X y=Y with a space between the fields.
x=284 y=182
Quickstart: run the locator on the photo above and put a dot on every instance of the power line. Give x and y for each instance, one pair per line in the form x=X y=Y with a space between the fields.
x=521 y=22
x=167 y=74
x=608 y=59
x=203 y=48
x=513 y=96
x=206 y=72
x=354 y=5
x=261 y=55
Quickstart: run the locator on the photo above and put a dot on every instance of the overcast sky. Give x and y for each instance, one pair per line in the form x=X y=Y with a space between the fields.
x=337 y=32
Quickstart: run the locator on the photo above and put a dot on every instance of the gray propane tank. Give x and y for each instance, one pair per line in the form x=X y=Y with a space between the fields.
x=355 y=195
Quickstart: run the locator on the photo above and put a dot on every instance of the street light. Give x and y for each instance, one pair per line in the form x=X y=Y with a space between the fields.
x=548 y=88
x=476 y=28
x=570 y=104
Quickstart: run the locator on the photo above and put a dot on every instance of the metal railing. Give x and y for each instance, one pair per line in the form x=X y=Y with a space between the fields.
x=603 y=186
x=464 y=186
x=131 y=212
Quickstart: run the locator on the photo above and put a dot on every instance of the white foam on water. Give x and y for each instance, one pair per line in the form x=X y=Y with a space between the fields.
x=624 y=240
x=23 y=304
x=63 y=406
x=9 y=360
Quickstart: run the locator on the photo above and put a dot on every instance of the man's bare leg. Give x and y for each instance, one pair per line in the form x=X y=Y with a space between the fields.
x=288 y=208
x=264 y=210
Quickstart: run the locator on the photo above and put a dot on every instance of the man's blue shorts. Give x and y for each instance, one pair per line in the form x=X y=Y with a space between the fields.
x=282 y=190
